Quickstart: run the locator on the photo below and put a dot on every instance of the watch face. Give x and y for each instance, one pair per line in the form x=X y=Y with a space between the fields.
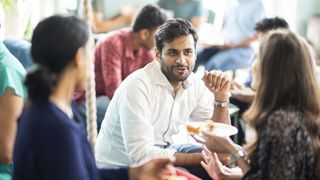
x=241 y=153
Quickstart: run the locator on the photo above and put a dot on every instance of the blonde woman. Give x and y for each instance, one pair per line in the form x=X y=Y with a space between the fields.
x=285 y=114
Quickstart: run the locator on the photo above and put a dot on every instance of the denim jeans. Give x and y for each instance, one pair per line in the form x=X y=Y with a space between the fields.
x=20 y=48
x=102 y=103
x=230 y=59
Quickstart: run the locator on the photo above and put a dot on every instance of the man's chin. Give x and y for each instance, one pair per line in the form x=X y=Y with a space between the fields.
x=181 y=78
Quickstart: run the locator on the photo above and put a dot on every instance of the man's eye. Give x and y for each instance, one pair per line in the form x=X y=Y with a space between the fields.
x=171 y=53
x=188 y=53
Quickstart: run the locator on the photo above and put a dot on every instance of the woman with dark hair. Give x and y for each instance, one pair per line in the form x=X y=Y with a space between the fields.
x=50 y=141
x=285 y=114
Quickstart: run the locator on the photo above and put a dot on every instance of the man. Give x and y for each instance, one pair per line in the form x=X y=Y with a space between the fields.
x=122 y=52
x=151 y=103
x=191 y=10
x=238 y=34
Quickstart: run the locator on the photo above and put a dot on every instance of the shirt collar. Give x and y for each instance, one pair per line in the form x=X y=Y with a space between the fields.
x=160 y=79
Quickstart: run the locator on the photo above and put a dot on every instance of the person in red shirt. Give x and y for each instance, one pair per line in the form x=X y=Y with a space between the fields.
x=121 y=52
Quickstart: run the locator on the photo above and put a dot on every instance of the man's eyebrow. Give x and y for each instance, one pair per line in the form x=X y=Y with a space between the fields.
x=173 y=49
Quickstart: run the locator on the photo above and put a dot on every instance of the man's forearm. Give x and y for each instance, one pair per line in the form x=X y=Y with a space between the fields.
x=187 y=159
x=246 y=42
x=221 y=114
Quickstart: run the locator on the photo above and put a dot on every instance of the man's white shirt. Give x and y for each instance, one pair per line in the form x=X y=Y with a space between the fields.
x=144 y=114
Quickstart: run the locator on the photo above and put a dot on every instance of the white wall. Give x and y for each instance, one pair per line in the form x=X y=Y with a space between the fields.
x=305 y=9
x=296 y=12
x=286 y=9
x=16 y=17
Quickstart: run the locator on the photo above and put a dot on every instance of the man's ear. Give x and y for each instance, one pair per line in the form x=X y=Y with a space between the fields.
x=78 y=60
x=158 y=54
x=144 y=34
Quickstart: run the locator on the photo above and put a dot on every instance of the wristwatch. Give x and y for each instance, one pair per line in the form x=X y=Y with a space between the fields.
x=221 y=103
x=240 y=153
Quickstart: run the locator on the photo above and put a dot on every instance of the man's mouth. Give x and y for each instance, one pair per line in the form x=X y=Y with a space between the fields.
x=180 y=69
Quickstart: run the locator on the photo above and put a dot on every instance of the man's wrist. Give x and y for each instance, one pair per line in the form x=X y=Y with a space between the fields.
x=222 y=98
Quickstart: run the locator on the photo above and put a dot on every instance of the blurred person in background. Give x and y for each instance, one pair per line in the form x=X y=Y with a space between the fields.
x=238 y=34
x=243 y=95
x=190 y=10
x=12 y=96
x=109 y=15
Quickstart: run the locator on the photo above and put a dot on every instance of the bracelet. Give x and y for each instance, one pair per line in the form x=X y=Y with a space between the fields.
x=221 y=103
x=240 y=153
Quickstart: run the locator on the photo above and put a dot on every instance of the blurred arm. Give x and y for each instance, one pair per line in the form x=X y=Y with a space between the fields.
x=11 y=107
x=100 y=25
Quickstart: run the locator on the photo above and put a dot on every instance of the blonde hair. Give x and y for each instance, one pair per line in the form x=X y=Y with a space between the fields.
x=90 y=84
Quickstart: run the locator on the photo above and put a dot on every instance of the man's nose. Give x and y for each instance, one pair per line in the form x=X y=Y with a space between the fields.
x=181 y=58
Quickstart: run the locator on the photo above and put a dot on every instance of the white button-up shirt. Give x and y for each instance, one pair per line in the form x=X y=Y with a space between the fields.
x=144 y=113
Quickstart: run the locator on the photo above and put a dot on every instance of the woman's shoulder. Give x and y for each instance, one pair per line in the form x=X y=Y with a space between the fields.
x=285 y=123
x=284 y=116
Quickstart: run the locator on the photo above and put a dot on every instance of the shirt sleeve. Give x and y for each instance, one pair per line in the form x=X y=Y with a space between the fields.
x=279 y=149
x=12 y=78
x=137 y=130
x=111 y=67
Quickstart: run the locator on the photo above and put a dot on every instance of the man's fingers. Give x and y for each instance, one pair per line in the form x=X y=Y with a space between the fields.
x=216 y=79
x=225 y=84
x=224 y=80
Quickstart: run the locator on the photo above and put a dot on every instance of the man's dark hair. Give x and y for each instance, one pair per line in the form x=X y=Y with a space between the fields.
x=173 y=29
x=268 y=24
x=149 y=17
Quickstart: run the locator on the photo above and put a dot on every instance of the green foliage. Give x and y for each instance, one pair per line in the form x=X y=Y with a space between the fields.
x=7 y=3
